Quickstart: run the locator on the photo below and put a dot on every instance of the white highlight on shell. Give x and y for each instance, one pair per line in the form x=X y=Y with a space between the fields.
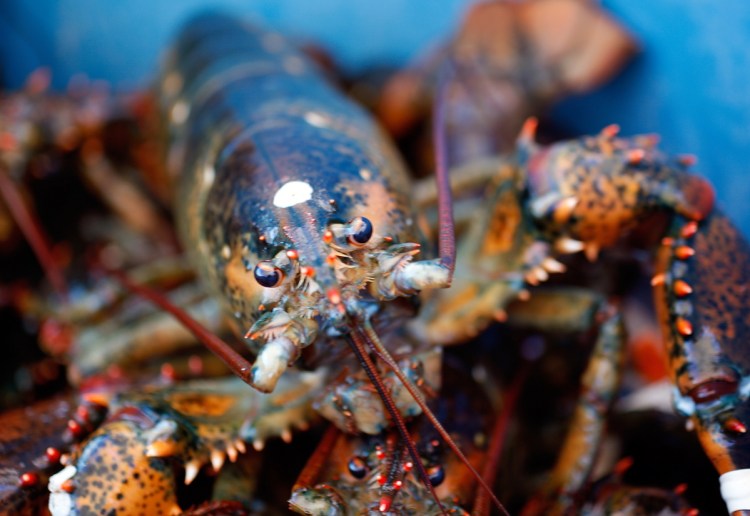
x=735 y=489
x=291 y=193
x=209 y=174
x=180 y=112
x=316 y=119
x=60 y=502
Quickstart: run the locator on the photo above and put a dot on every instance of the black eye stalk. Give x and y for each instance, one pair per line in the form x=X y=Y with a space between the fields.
x=360 y=231
x=268 y=275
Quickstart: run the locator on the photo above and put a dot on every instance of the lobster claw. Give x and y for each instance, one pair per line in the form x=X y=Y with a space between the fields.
x=400 y=275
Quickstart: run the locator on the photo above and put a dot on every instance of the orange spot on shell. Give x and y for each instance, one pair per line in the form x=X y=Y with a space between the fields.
x=682 y=288
x=68 y=486
x=658 y=280
x=334 y=296
x=735 y=425
x=29 y=479
x=684 y=252
x=690 y=229
x=680 y=489
x=528 y=131
x=635 y=156
x=611 y=131
x=292 y=254
x=684 y=327
x=75 y=428
x=83 y=413
x=328 y=237
x=53 y=455
x=667 y=241
x=168 y=372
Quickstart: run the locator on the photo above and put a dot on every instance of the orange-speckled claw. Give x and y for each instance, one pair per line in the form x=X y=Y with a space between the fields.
x=527 y=136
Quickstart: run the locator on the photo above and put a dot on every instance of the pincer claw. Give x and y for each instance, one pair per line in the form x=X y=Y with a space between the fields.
x=271 y=363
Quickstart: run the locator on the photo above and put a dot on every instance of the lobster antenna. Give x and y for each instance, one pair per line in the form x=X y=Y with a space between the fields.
x=316 y=462
x=497 y=439
x=238 y=364
x=32 y=232
x=377 y=346
x=356 y=341
x=447 y=229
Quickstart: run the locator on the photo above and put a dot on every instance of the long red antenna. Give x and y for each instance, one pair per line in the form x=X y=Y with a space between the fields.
x=497 y=440
x=447 y=229
x=33 y=232
x=239 y=365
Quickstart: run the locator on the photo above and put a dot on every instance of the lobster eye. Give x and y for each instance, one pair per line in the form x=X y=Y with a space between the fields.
x=436 y=474
x=357 y=467
x=361 y=231
x=267 y=275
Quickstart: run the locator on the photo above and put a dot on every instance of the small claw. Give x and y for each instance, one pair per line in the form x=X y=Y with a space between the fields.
x=416 y=276
x=258 y=444
x=240 y=445
x=273 y=359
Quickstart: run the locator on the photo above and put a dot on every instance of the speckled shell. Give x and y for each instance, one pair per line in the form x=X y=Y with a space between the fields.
x=249 y=114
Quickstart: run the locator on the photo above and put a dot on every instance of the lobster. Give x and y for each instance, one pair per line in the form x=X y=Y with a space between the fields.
x=298 y=218
x=312 y=292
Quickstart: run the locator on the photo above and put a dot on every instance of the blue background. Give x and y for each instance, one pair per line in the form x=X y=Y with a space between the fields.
x=690 y=84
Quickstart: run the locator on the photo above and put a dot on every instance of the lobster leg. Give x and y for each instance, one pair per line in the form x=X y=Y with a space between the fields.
x=702 y=290
x=599 y=385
